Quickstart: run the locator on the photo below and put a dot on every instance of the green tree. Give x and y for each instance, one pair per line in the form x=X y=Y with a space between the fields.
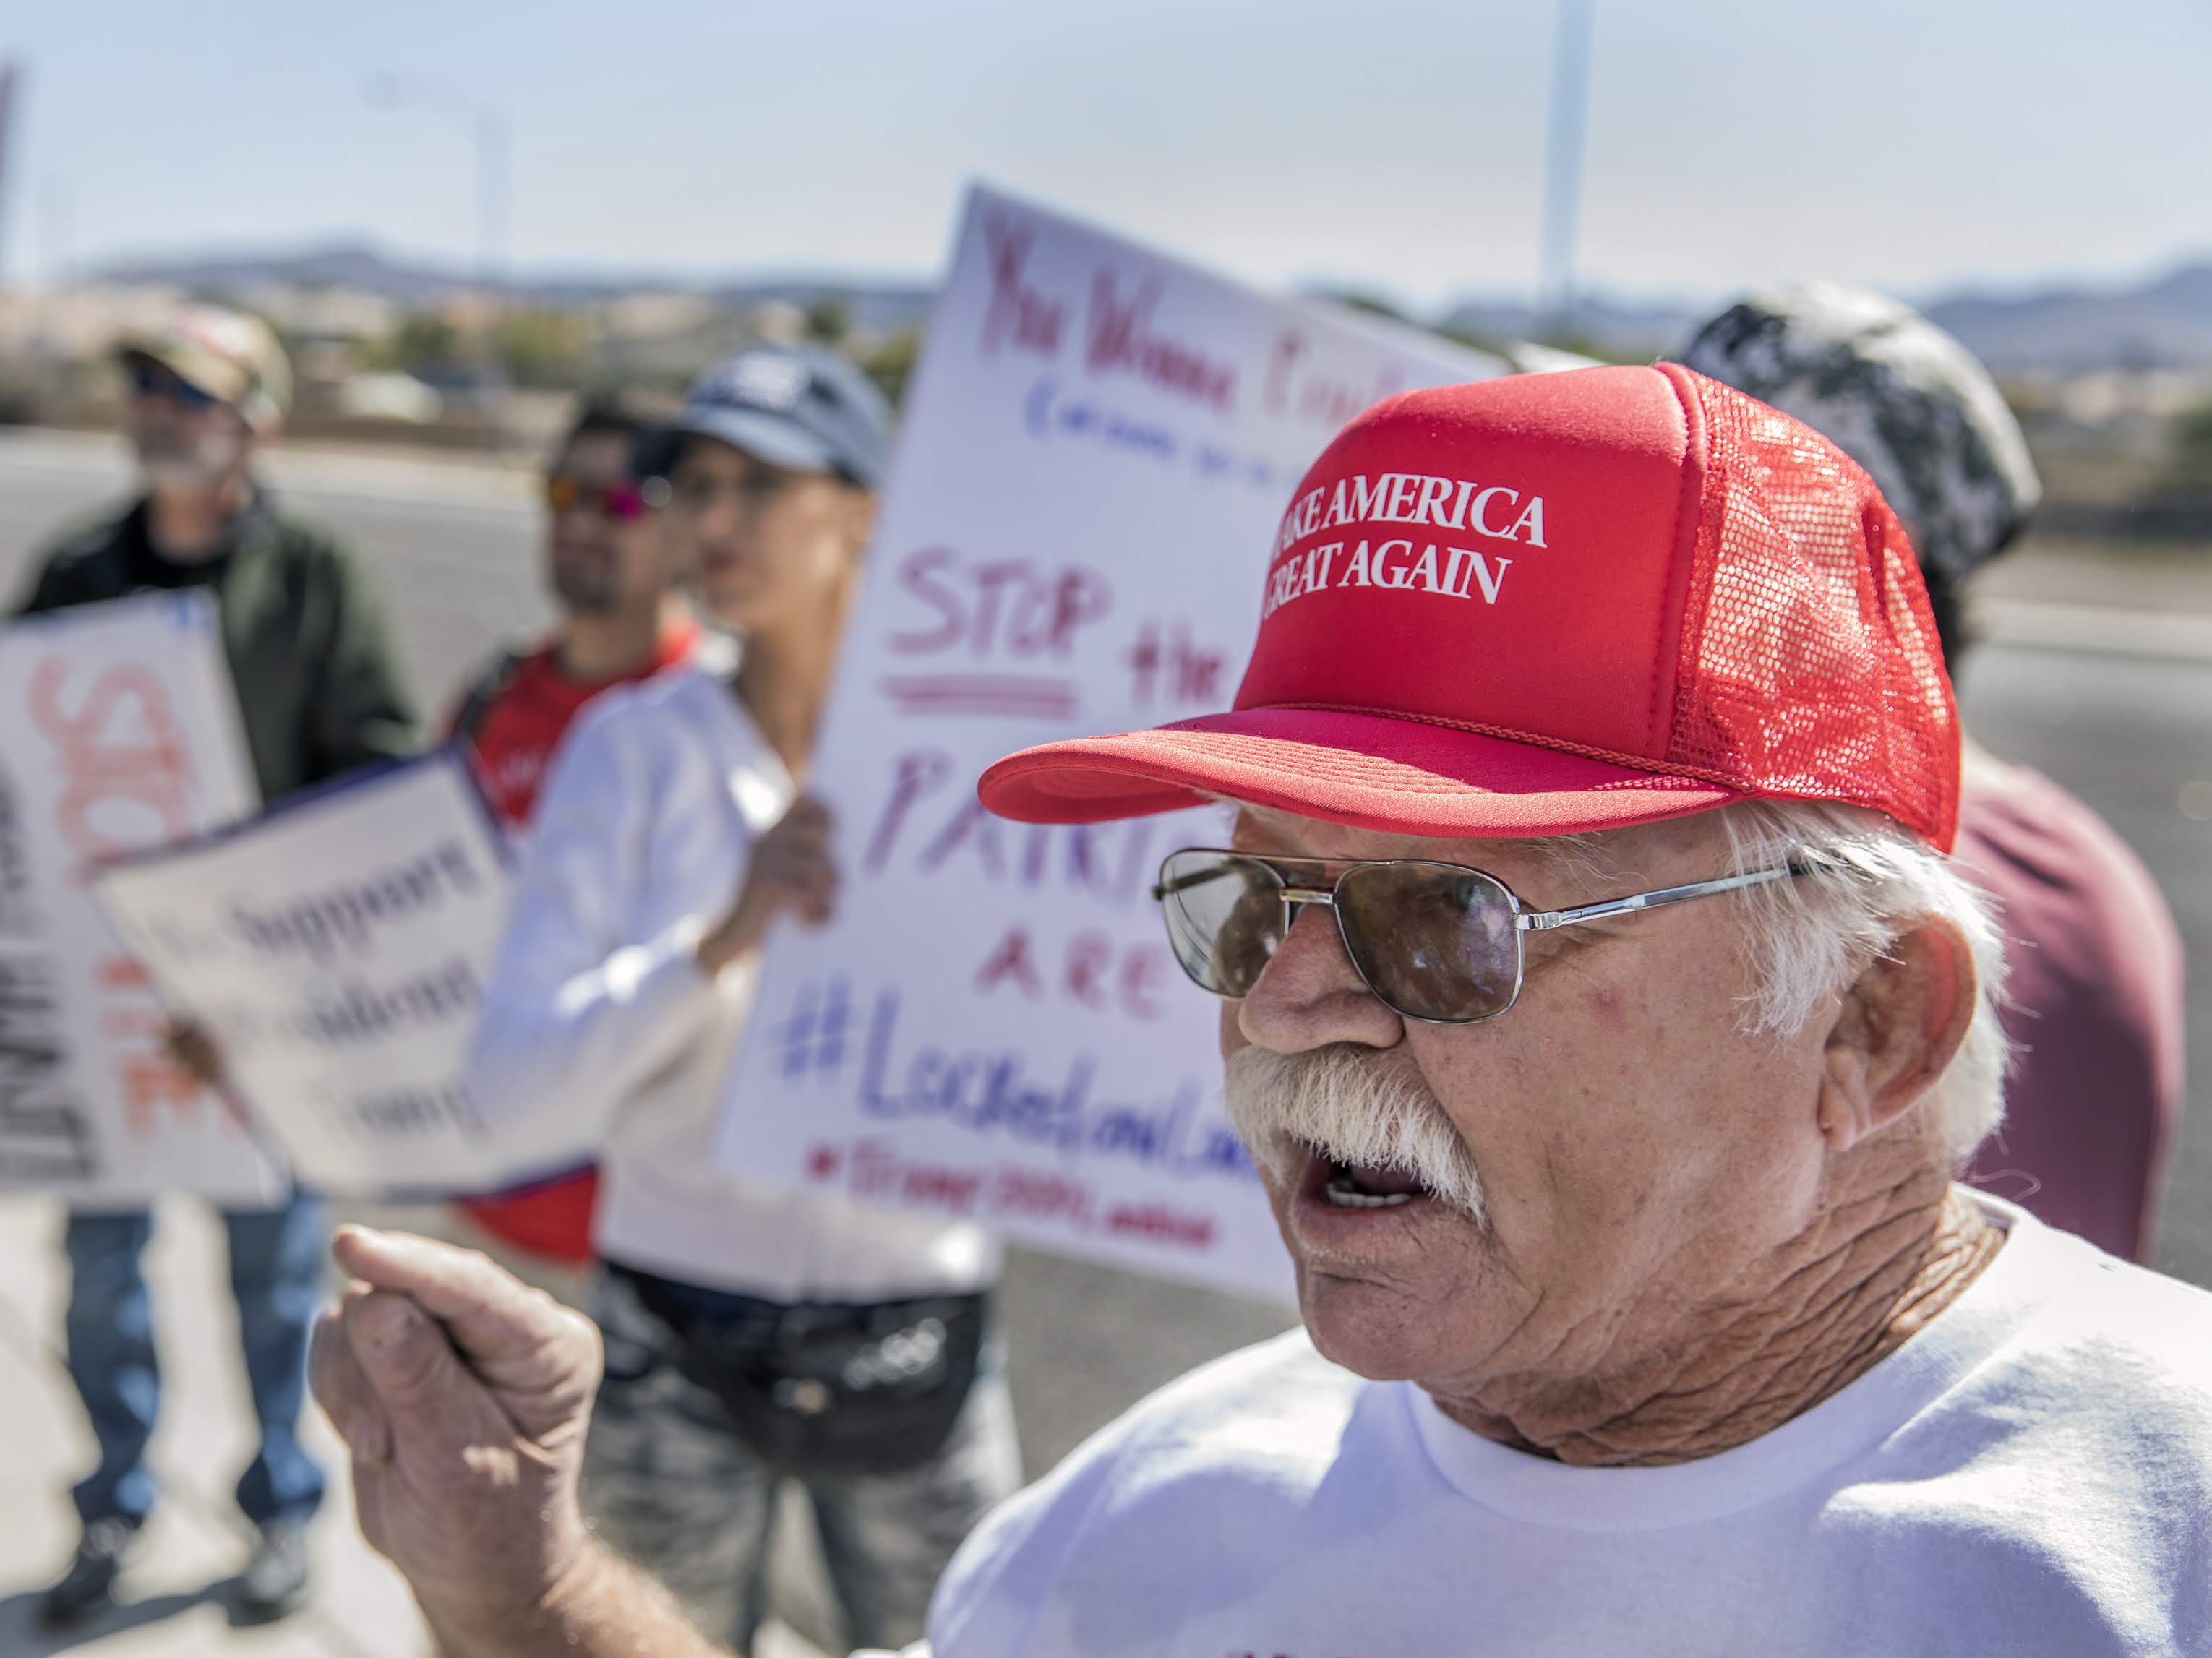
x=1373 y=304
x=1474 y=338
x=829 y=319
x=541 y=349
x=424 y=340
x=890 y=362
x=1570 y=338
x=2189 y=466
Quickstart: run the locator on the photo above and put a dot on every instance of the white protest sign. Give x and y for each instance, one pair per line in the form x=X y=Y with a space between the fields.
x=335 y=948
x=119 y=730
x=1098 y=449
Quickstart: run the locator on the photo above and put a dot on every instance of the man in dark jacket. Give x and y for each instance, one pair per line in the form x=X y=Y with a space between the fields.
x=318 y=689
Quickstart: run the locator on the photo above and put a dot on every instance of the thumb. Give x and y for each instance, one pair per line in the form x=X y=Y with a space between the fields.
x=405 y=1356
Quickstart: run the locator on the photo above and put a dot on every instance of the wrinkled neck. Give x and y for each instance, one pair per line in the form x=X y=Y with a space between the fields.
x=1890 y=1251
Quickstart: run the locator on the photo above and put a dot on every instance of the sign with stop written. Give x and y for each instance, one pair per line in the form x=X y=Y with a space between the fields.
x=118 y=732
x=1096 y=454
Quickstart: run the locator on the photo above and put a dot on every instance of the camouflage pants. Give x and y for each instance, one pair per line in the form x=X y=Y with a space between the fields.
x=669 y=1486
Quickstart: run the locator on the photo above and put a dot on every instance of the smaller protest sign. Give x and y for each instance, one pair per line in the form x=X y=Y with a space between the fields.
x=118 y=732
x=335 y=948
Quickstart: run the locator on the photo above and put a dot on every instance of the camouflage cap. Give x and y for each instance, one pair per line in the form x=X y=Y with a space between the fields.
x=1899 y=396
x=232 y=357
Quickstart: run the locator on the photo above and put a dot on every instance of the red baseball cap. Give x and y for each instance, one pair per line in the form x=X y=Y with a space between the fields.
x=1559 y=603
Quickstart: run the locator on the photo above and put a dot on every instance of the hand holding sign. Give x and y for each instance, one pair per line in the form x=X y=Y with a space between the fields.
x=195 y=1052
x=789 y=869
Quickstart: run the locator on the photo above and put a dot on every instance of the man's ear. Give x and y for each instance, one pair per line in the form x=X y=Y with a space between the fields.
x=1900 y=1023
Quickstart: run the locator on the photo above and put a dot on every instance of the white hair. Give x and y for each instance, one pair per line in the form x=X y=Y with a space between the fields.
x=1871 y=883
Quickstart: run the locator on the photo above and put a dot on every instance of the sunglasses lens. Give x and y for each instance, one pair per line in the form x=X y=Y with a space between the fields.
x=1434 y=941
x=1224 y=917
x=624 y=502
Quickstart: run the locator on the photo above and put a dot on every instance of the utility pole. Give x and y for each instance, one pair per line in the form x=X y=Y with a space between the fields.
x=56 y=210
x=52 y=380
x=1563 y=161
x=10 y=80
x=487 y=127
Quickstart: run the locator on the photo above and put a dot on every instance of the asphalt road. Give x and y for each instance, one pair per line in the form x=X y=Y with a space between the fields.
x=2114 y=700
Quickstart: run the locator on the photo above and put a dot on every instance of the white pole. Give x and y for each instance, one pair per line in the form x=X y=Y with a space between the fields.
x=488 y=127
x=1563 y=160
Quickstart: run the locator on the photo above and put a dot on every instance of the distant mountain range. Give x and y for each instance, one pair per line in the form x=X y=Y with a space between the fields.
x=2164 y=322
x=874 y=303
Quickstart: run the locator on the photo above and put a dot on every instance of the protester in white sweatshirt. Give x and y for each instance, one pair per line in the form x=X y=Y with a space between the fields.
x=669 y=839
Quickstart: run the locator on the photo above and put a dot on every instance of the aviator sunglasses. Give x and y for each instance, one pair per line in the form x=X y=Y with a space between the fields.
x=1438 y=943
x=625 y=503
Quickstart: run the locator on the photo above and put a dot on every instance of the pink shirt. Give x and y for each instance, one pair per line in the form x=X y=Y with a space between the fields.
x=2095 y=1009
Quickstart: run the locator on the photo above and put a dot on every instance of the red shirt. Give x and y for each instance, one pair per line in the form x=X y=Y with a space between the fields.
x=515 y=741
x=2093 y=1005
x=513 y=745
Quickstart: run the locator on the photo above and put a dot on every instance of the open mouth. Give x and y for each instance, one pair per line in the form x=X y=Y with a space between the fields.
x=1363 y=1185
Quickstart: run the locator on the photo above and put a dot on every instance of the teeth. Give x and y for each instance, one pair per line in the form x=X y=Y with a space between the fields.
x=1338 y=1192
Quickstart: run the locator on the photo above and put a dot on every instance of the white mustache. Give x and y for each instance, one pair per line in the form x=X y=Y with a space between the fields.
x=1340 y=1102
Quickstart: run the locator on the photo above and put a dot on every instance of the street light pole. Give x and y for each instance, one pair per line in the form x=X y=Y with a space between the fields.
x=1563 y=160
x=491 y=200
x=488 y=129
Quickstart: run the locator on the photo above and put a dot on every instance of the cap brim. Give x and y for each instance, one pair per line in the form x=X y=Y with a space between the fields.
x=763 y=436
x=209 y=376
x=1366 y=770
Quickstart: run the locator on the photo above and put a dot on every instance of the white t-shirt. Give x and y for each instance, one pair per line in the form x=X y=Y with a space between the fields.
x=598 y=1033
x=2030 y=1475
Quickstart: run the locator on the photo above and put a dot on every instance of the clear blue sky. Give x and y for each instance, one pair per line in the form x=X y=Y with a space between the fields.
x=1396 y=143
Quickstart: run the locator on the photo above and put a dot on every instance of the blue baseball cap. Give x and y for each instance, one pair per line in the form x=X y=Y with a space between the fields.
x=801 y=407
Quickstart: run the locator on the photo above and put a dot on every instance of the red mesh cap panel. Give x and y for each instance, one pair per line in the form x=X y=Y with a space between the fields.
x=1809 y=667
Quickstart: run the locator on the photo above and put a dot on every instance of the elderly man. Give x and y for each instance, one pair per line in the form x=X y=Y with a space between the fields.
x=1605 y=1023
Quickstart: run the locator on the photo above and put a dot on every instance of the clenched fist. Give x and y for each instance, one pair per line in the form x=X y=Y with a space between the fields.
x=464 y=1395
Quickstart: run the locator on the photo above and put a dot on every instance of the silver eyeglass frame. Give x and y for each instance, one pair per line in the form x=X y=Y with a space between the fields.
x=1525 y=921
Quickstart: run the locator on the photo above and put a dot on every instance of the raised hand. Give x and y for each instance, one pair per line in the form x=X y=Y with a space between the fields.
x=464 y=1394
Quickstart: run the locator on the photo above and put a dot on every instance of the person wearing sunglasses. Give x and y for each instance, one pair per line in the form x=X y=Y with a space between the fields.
x=621 y=619
x=1607 y=1022
x=755 y=1339
x=621 y=616
x=319 y=693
